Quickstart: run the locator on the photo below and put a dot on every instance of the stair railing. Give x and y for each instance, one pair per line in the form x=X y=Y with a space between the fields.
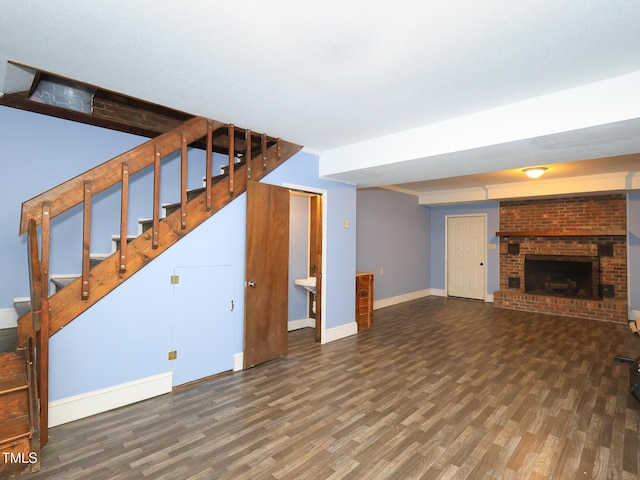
x=38 y=373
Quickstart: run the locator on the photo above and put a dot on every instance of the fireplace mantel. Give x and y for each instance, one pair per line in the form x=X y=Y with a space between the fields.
x=562 y=233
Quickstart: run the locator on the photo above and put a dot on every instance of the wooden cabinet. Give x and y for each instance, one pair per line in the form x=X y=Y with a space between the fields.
x=364 y=300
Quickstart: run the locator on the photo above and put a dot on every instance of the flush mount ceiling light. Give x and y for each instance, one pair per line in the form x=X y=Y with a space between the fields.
x=534 y=172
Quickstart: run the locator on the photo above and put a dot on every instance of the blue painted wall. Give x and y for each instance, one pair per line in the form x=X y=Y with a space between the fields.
x=340 y=261
x=438 y=229
x=393 y=234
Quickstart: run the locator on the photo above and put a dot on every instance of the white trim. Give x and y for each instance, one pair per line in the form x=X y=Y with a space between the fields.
x=405 y=297
x=634 y=315
x=341 y=331
x=438 y=292
x=238 y=361
x=488 y=297
x=86 y=404
x=8 y=318
x=301 y=323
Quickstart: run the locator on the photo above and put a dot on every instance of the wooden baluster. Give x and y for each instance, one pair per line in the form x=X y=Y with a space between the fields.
x=124 y=214
x=247 y=152
x=232 y=153
x=264 y=150
x=156 y=199
x=40 y=316
x=42 y=360
x=86 y=240
x=183 y=181
x=209 y=166
x=44 y=247
x=43 y=332
x=35 y=275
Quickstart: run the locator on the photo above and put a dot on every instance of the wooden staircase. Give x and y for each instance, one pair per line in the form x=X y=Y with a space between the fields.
x=251 y=156
x=19 y=415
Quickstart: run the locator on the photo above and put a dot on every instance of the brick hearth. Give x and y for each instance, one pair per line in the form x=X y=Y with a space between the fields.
x=565 y=226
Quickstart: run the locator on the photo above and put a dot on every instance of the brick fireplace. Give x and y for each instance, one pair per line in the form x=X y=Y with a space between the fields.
x=588 y=233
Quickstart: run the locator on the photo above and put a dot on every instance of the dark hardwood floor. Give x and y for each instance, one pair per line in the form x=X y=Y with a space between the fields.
x=437 y=389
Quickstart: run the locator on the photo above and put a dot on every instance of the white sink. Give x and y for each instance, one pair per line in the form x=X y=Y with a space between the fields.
x=309 y=284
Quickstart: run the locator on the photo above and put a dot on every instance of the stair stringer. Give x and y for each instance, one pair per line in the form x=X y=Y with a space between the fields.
x=66 y=305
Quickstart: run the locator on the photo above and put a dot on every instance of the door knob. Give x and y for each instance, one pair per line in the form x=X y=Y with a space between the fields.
x=252 y=284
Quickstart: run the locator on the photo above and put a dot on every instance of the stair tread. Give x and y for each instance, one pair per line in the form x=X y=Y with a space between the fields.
x=22 y=307
x=14 y=428
x=13 y=382
x=197 y=191
x=61 y=282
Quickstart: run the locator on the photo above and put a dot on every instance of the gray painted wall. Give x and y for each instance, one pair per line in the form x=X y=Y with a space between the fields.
x=393 y=235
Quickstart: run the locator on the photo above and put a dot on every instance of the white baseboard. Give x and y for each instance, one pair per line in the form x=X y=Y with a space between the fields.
x=8 y=318
x=437 y=292
x=634 y=315
x=429 y=292
x=238 y=362
x=342 y=331
x=387 y=302
x=86 y=404
x=302 y=323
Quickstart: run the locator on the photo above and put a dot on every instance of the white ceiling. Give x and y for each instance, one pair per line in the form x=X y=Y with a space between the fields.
x=332 y=75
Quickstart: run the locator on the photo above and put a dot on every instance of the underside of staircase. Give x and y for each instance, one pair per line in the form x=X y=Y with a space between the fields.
x=55 y=302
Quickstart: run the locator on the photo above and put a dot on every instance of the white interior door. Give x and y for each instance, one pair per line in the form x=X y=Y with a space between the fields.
x=466 y=262
x=203 y=322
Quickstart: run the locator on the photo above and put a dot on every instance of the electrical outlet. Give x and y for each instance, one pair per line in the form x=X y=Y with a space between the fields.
x=381 y=271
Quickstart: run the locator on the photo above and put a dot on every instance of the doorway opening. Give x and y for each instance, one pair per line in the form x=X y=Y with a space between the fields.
x=267 y=279
x=305 y=260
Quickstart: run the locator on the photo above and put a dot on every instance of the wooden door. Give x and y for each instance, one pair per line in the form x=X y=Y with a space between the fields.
x=267 y=273
x=466 y=247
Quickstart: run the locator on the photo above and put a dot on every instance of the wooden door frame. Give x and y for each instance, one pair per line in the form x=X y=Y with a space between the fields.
x=446 y=249
x=323 y=298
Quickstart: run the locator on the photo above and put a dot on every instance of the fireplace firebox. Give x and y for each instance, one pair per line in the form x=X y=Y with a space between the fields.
x=571 y=276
